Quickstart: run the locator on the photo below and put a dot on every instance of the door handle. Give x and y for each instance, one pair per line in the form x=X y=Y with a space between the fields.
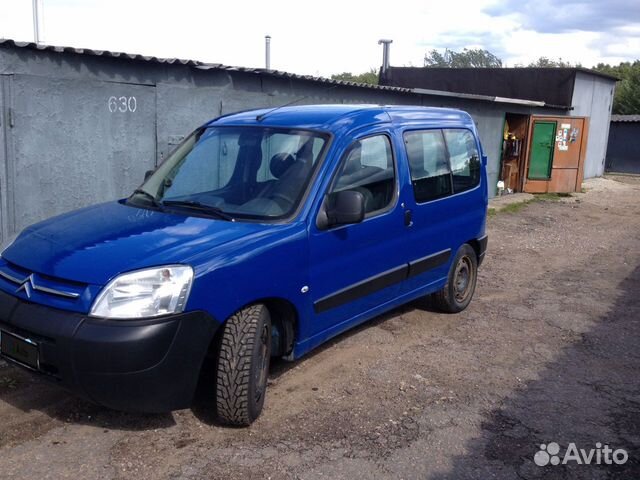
x=408 y=218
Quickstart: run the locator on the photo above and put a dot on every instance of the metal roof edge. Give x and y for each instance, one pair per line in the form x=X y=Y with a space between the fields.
x=489 y=98
x=585 y=70
x=625 y=118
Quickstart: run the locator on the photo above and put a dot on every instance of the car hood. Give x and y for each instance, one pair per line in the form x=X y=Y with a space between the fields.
x=94 y=244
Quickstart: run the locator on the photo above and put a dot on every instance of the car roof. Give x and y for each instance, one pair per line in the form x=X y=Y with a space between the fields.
x=340 y=118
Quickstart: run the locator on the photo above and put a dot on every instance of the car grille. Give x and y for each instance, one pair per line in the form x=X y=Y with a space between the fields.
x=29 y=283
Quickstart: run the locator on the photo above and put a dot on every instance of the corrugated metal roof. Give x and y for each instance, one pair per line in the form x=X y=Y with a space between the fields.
x=194 y=63
x=625 y=118
x=296 y=76
x=101 y=53
x=273 y=73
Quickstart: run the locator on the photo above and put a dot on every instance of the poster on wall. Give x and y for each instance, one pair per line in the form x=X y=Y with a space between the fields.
x=562 y=137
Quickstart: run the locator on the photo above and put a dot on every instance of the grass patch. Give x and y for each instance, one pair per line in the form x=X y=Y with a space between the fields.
x=8 y=383
x=515 y=207
x=553 y=197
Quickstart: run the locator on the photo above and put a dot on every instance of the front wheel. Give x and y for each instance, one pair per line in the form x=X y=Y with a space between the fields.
x=456 y=295
x=243 y=365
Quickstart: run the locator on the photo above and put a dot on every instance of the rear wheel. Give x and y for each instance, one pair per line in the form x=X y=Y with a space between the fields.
x=457 y=293
x=243 y=365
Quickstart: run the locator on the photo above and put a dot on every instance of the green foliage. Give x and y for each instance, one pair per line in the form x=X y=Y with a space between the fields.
x=370 y=77
x=475 y=58
x=544 y=62
x=627 y=97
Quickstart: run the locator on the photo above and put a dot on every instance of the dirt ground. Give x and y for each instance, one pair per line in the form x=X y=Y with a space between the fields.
x=548 y=351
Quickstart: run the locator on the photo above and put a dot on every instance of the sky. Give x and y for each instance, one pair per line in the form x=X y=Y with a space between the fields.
x=323 y=38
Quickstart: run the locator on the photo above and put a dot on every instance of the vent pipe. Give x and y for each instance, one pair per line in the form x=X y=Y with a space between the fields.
x=37 y=24
x=267 y=52
x=385 y=53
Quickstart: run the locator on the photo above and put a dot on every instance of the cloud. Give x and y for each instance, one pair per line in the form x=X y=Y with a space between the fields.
x=546 y=16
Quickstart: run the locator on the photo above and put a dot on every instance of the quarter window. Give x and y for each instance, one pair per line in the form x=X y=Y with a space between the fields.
x=464 y=159
x=430 y=174
x=367 y=167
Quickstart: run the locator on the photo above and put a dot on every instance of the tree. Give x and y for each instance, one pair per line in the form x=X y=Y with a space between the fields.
x=544 y=62
x=474 y=58
x=627 y=97
x=370 y=77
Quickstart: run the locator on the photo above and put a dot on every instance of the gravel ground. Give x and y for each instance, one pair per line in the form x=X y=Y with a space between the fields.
x=548 y=351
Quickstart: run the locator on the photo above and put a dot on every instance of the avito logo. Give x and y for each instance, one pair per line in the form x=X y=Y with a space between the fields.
x=549 y=454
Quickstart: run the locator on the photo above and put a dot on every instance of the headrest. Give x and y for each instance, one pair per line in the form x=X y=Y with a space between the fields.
x=280 y=163
x=353 y=162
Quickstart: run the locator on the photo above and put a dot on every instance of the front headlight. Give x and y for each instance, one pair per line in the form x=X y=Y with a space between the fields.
x=145 y=293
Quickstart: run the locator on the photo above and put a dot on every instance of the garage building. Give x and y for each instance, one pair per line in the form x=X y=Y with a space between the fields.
x=82 y=126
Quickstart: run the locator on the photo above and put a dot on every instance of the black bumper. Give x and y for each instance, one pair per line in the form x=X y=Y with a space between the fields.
x=139 y=366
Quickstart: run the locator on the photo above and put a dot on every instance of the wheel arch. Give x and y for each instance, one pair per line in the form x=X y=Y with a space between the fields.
x=284 y=323
x=284 y=320
x=479 y=246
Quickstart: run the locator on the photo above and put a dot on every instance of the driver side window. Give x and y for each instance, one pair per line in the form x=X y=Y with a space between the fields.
x=368 y=168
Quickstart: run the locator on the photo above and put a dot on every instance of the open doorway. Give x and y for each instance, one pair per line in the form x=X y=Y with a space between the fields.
x=514 y=146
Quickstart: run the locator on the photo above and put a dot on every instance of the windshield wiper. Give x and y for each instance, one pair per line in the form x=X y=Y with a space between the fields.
x=154 y=201
x=200 y=206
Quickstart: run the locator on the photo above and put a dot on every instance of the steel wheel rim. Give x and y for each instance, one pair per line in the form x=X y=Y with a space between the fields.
x=463 y=279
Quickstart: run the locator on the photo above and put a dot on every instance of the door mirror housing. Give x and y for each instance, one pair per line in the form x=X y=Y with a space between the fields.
x=342 y=208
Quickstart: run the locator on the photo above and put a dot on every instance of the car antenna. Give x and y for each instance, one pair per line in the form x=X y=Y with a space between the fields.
x=262 y=116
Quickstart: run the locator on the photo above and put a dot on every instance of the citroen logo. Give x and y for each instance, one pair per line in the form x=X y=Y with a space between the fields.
x=27 y=285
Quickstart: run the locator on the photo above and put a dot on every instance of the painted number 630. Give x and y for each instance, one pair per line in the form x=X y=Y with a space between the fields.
x=122 y=104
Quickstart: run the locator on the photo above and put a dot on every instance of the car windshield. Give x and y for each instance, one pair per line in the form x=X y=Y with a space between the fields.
x=236 y=172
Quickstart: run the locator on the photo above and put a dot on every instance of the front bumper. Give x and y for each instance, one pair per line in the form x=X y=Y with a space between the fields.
x=150 y=365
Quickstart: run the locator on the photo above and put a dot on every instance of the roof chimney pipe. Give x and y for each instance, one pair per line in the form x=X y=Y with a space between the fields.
x=385 y=53
x=267 y=52
x=37 y=21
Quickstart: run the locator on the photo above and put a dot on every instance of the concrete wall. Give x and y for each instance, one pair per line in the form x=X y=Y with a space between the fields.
x=81 y=129
x=593 y=97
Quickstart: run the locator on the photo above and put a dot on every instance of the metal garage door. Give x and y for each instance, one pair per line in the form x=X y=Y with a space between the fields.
x=74 y=143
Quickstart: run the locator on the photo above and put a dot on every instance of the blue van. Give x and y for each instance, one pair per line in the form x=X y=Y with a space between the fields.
x=264 y=234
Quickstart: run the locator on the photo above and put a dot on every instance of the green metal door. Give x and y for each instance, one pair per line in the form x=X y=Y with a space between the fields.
x=542 y=150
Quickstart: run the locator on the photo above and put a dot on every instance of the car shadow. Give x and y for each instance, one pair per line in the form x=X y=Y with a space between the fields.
x=589 y=395
x=27 y=393
x=204 y=402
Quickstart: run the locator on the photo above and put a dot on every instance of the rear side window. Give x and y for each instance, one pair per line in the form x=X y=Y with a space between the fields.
x=464 y=159
x=428 y=163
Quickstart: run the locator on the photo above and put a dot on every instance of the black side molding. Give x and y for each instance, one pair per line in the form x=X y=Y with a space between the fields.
x=421 y=265
x=382 y=280
x=361 y=289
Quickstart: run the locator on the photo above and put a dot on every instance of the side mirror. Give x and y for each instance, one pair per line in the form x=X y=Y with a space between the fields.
x=147 y=174
x=343 y=208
